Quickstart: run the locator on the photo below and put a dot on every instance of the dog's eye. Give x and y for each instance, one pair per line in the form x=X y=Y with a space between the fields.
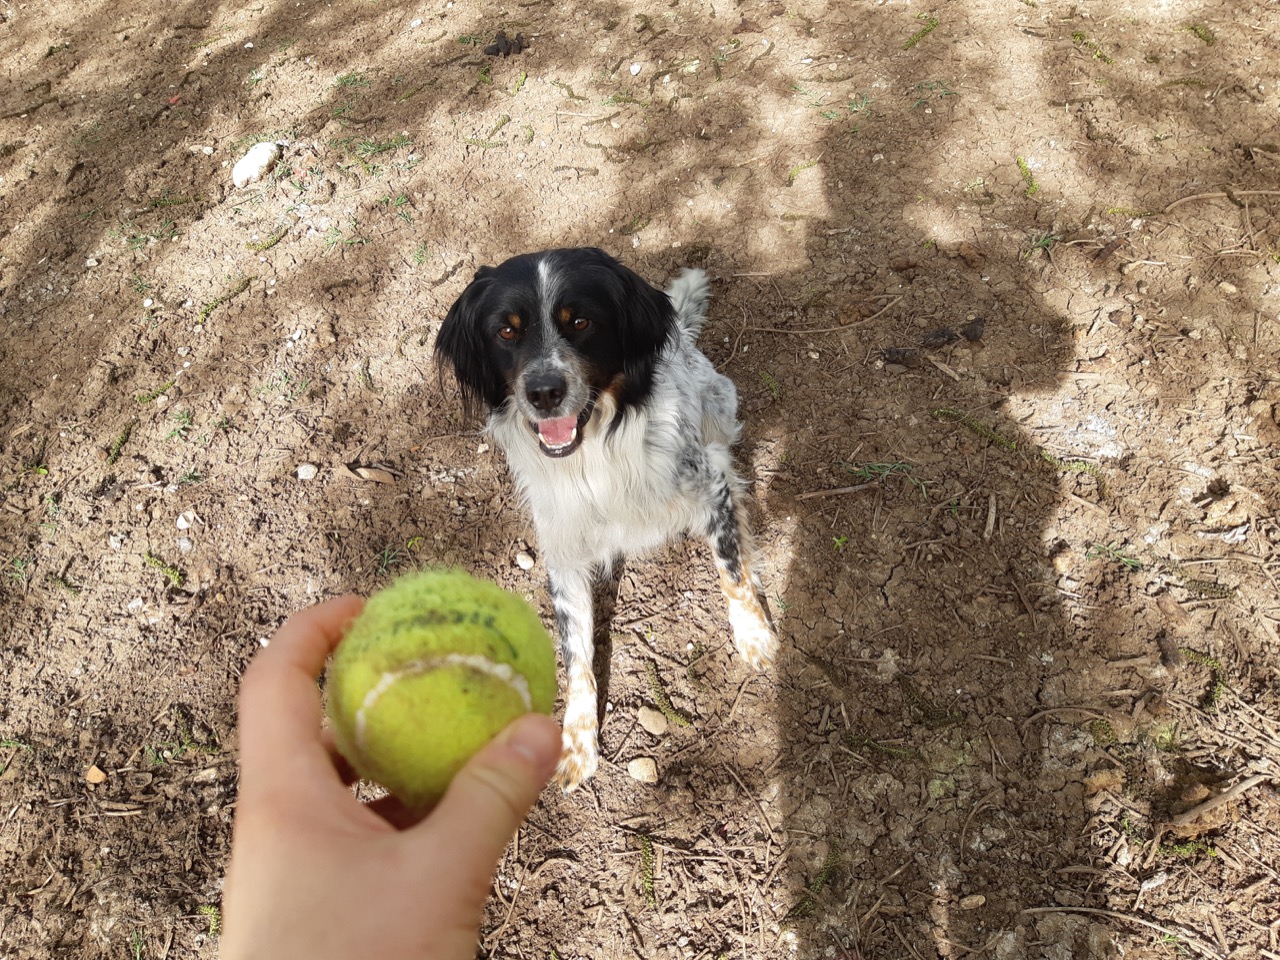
x=507 y=333
x=581 y=324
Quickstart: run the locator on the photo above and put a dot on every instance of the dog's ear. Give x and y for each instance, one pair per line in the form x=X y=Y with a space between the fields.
x=461 y=347
x=646 y=319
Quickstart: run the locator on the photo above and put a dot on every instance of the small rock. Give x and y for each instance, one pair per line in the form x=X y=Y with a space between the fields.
x=635 y=69
x=971 y=255
x=972 y=902
x=255 y=164
x=94 y=776
x=643 y=769
x=308 y=471
x=655 y=721
x=972 y=331
x=185 y=520
x=91 y=262
x=1230 y=289
x=524 y=561
x=415 y=23
x=185 y=545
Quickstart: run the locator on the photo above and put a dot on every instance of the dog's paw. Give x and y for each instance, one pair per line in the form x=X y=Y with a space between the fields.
x=755 y=639
x=578 y=761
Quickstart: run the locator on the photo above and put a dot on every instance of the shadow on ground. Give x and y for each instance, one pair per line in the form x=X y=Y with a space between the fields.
x=911 y=222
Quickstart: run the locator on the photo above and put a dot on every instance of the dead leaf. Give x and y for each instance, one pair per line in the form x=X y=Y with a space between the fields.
x=343 y=470
x=747 y=26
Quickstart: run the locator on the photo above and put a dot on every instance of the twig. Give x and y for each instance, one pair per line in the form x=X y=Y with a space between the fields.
x=759 y=806
x=847 y=326
x=1182 y=819
x=1222 y=196
x=837 y=491
x=1054 y=710
x=1181 y=935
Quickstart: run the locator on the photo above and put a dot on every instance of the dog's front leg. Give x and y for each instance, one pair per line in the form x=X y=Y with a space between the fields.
x=572 y=599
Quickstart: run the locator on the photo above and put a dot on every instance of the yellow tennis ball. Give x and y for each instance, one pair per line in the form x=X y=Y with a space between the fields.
x=432 y=669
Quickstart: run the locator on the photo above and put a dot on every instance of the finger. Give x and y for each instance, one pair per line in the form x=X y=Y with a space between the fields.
x=488 y=799
x=279 y=700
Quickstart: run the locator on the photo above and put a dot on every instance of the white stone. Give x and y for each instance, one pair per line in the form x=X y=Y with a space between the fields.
x=643 y=769
x=255 y=164
x=655 y=721
x=524 y=561
x=635 y=69
x=308 y=471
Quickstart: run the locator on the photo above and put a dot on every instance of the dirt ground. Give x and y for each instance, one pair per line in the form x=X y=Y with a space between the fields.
x=999 y=284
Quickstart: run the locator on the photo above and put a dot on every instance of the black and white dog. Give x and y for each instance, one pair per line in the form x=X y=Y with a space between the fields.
x=617 y=429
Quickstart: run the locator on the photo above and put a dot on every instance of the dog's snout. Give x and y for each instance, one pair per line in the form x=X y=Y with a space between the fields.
x=546 y=391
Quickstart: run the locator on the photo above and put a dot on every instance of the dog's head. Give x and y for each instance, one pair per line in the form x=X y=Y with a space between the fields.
x=545 y=335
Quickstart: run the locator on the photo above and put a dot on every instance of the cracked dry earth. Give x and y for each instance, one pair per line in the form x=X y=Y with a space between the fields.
x=999 y=285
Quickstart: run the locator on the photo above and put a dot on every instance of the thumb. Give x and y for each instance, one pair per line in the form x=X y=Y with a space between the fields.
x=489 y=798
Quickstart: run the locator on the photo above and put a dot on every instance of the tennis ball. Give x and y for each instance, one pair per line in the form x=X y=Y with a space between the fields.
x=432 y=669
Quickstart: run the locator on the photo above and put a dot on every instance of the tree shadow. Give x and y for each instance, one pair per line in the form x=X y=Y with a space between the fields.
x=902 y=778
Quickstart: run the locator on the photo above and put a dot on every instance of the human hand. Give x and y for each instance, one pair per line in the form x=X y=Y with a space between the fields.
x=316 y=874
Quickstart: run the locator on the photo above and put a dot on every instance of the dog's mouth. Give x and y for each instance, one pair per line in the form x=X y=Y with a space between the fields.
x=561 y=436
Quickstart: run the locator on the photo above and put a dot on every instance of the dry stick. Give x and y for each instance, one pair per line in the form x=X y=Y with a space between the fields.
x=1222 y=196
x=1182 y=819
x=759 y=806
x=1194 y=944
x=838 y=491
x=847 y=326
x=1055 y=710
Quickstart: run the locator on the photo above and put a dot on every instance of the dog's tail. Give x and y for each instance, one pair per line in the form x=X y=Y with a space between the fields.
x=688 y=293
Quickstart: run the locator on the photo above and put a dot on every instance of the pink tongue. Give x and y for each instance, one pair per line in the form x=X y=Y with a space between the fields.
x=556 y=433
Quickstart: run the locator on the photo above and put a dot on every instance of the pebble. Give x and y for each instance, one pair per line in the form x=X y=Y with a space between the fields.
x=255 y=164
x=643 y=769
x=185 y=545
x=94 y=775
x=655 y=721
x=524 y=561
x=972 y=902
x=91 y=262
x=185 y=520
x=415 y=23
x=635 y=69
x=308 y=471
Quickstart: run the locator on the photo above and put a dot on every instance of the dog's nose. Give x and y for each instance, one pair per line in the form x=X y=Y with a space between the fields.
x=546 y=391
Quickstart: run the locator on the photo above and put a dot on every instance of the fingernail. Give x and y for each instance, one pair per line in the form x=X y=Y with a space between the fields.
x=536 y=738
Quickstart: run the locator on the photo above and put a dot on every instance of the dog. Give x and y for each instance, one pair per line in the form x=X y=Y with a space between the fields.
x=617 y=429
